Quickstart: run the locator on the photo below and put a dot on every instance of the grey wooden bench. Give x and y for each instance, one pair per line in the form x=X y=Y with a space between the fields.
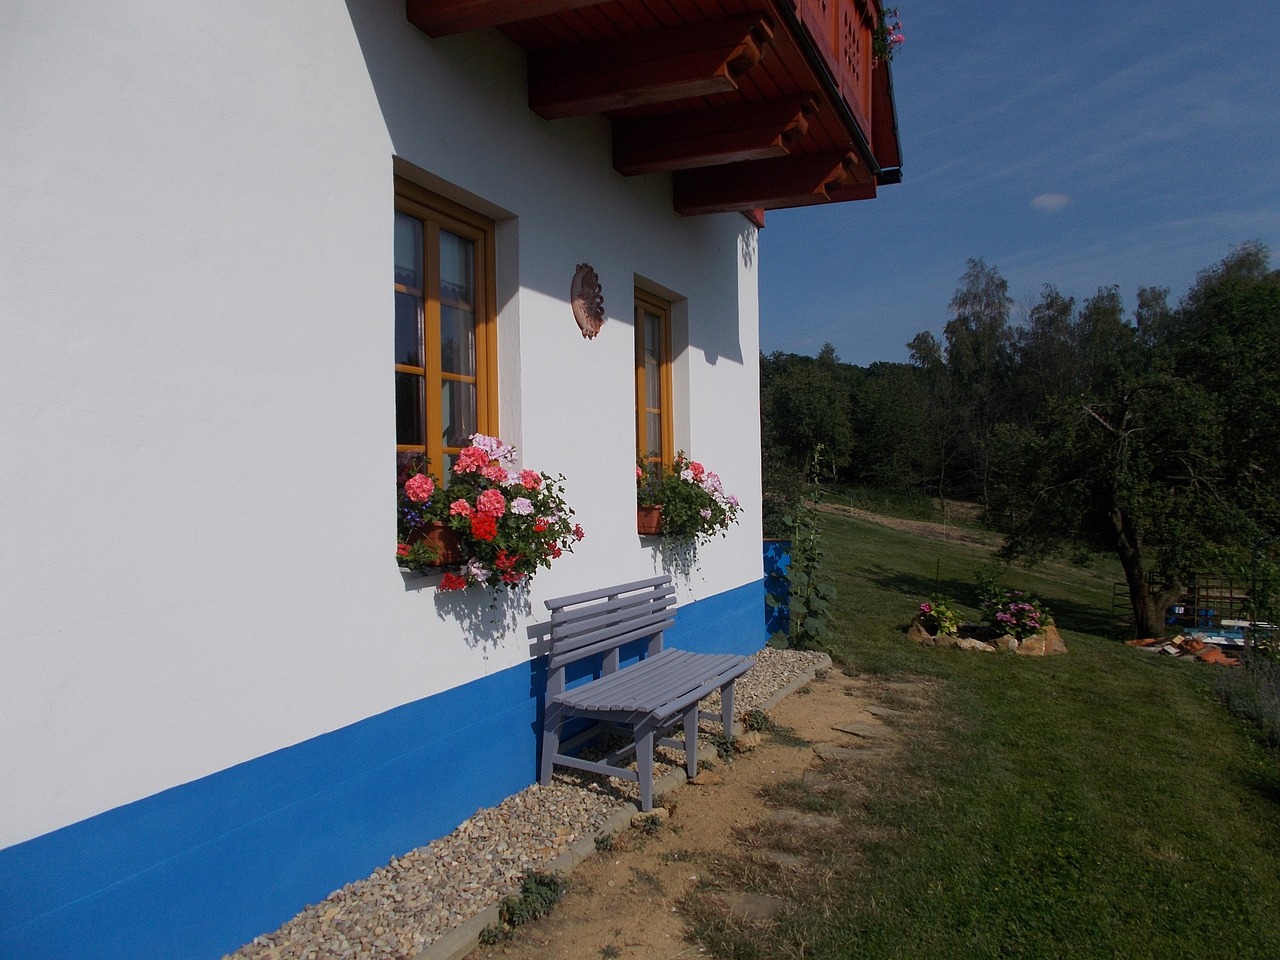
x=646 y=698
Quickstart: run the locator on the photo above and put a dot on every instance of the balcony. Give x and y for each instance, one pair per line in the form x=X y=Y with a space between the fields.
x=750 y=105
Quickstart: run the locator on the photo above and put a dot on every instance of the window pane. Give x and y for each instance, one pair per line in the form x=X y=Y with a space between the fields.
x=409 y=428
x=408 y=251
x=652 y=336
x=652 y=390
x=408 y=329
x=456 y=269
x=458 y=406
x=457 y=341
x=653 y=426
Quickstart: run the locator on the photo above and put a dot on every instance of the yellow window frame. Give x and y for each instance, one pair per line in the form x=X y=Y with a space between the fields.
x=654 y=312
x=438 y=213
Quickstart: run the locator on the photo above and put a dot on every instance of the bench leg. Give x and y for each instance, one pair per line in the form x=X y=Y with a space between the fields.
x=726 y=710
x=691 y=741
x=644 y=764
x=550 y=743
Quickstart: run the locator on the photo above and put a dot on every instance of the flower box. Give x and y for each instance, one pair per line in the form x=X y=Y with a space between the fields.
x=649 y=519
x=442 y=539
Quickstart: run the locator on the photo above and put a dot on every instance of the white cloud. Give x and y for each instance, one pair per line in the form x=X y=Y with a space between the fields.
x=1050 y=201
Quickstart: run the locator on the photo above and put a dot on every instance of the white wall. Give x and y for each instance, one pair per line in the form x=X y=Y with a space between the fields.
x=196 y=411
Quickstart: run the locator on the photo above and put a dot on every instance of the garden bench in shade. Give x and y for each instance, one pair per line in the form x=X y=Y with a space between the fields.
x=646 y=698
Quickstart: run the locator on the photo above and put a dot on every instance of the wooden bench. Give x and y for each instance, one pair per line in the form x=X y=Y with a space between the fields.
x=646 y=698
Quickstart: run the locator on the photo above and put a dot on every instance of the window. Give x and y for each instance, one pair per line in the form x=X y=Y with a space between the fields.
x=445 y=339
x=654 y=443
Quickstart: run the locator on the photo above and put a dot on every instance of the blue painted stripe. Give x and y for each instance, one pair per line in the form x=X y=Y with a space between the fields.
x=199 y=869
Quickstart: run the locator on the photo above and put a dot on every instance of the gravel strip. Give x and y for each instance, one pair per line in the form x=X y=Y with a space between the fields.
x=420 y=896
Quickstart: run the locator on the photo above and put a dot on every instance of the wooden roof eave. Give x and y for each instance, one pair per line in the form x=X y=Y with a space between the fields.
x=690 y=96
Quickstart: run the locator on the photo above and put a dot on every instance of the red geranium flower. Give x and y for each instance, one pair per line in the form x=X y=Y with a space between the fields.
x=484 y=527
x=452 y=581
x=402 y=549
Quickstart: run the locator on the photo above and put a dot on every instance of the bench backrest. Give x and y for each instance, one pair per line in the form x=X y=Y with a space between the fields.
x=599 y=622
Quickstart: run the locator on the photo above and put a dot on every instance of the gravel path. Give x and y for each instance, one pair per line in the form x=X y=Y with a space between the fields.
x=418 y=897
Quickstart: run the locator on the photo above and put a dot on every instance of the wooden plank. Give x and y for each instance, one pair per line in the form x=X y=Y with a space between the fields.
x=615 y=640
x=701 y=138
x=570 y=618
x=559 y=603
x=440 y=18
x=653 y=68
x=768 y=184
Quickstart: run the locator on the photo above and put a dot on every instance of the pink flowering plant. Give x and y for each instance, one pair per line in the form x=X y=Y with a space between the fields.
x=509 y=522
x=887 y=35
x=693 y=499
x=1015 y=612
x=937 y=617
x=416 y=507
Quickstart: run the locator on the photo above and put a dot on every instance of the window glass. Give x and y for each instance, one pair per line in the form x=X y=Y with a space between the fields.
x=445 y=340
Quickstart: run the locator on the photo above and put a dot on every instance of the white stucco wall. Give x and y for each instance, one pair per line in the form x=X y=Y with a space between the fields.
x=197 y=408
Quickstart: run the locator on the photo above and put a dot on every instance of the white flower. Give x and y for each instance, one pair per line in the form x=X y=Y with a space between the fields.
x=477 y=571
x=521 y=505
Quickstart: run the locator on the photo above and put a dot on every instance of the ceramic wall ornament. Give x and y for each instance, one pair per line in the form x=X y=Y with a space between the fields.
x=587 y=300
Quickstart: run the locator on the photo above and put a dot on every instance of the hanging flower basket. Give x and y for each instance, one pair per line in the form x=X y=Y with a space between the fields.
x=649 y=519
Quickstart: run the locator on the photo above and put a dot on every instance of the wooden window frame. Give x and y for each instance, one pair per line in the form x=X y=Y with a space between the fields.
x=646 y=302
x=435 y=213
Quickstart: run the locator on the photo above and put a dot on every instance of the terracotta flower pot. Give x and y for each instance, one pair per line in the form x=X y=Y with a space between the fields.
x=441 y=538
x=649 y=519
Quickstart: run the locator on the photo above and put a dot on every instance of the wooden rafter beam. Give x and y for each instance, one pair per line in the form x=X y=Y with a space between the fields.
x=440 y=18
x=703 y=138
x=671 y=65
x=765 y=184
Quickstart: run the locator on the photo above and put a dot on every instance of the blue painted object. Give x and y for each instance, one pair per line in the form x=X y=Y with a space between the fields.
x=200 y=869
x=777 y=563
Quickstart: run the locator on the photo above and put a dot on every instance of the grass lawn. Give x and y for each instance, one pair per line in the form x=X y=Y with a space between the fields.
x=1098 y=804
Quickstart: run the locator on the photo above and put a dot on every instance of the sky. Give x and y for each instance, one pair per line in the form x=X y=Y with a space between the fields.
x=1079 y=144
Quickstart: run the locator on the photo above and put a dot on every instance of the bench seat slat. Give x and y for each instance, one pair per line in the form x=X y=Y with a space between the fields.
x=650 y=683
x=640 y=686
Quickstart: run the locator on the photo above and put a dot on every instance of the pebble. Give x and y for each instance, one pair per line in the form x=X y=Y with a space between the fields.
x=418 y=897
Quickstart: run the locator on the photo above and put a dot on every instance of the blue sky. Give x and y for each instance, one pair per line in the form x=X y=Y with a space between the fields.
x=1080 y=144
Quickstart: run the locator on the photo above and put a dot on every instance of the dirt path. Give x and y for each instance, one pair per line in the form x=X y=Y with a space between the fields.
x=628 y=900
x=946 y=532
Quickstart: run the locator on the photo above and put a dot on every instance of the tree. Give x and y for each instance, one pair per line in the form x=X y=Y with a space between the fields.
x=805 y=404
x=1167 y=449
x=978 y=363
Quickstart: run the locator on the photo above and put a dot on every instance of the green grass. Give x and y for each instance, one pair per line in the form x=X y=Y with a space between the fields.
x=1102 y=804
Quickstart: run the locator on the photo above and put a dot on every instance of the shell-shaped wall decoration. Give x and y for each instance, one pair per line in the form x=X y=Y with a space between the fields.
x=587 y=300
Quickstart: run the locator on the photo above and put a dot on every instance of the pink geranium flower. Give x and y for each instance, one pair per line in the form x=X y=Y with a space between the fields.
x=531 y=479
x=471 y=460
x=460 y=508
x=419 y=488
x=491 y=503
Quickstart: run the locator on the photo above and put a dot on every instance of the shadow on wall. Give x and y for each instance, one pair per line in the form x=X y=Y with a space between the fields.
x=402 y=61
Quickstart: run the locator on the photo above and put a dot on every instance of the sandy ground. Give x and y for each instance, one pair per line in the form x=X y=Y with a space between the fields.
x=625 y=902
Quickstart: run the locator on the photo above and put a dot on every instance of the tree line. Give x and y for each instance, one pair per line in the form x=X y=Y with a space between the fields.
x=1155 y=436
